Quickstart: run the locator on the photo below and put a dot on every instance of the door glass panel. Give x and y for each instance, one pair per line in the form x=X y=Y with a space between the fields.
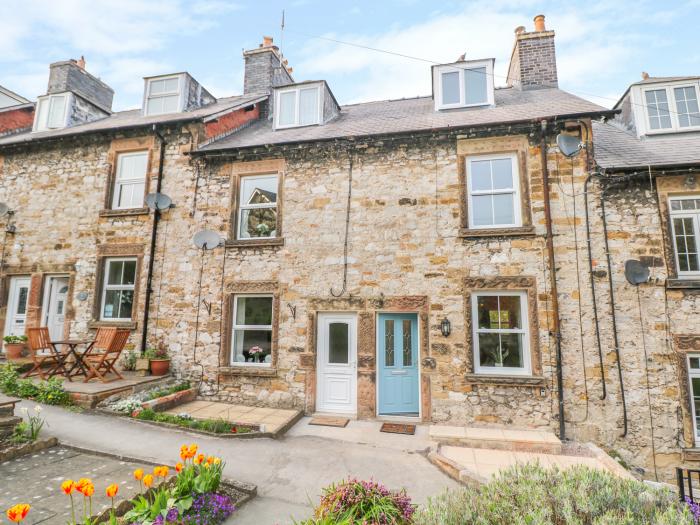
x=22 y=300
x=407 y=343
x=389 y=342
x=338 y=351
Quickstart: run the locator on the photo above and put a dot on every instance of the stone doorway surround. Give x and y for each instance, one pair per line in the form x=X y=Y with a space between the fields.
x=367 y=310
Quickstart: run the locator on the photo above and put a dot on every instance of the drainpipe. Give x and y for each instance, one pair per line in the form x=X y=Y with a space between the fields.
x=152 y=252
x=553 y=279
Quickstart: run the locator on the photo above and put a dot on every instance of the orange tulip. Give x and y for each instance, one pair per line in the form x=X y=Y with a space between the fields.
x=178 y=467
x=82 y=484
x=112 y=490
x=210 y=460
x=18 y=512
x=88 y=490
x=138 y=474
x=148 y=480
x=68 y=486
x=184 y=453
x=199 y=459
x=192 y=450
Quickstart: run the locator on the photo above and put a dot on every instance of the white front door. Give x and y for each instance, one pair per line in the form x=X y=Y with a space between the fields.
x=55 y=296
x=337 y=363
x=17 y=301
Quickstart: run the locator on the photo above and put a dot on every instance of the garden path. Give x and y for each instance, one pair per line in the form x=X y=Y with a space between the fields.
x=289 y=472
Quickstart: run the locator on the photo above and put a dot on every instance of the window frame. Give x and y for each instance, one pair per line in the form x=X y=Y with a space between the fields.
x=683 y=214
x=526 y=370
x=516 y=190
x=106 y=261
x=234 y=327
x=43 y=110
x=241 y=207
x=460 y=67
x=297 y=91
x=693 y=373
x=672 y=104
x=116 y=182
x=149 y=96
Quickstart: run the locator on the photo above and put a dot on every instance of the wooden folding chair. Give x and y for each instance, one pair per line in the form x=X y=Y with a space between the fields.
x=102 y=363
x=103 y=338
x=44 y=353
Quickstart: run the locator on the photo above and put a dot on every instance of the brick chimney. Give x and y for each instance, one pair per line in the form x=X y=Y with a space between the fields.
x=264 y=68
x=533 y=62
x=70 y=75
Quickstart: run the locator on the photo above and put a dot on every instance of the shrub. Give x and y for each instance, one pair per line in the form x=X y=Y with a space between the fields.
x=8 y=379
x=531 y=494
x=129 y=361
x=162 y=392
x=50 y=392
x=355 y=501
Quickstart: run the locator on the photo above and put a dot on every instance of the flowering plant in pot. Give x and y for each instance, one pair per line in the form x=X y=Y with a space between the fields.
x=159 y=360
x=14 y=344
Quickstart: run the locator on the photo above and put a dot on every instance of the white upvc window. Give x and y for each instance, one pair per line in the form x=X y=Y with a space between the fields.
x=298 y=106
x=673 y=107
x=685 y=226
x=130 y=180
x=257 y=209
x=163 y=95
x=463 y=84
x=694 y=379
x=501 y=333
x=493 y=191
x=52 y=112
x=118 y=283
x=251 y=341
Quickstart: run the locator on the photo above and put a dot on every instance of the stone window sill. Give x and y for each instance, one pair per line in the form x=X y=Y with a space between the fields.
x=130 y=325
x=679 y=284
x=253 y=371
x=534 y=381
x=125 y=213
x=520 y=231
x=255 y=243
x=690 y=454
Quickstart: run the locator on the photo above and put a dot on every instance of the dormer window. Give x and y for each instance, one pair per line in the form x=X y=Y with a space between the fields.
x=298 y=106
x=163 y=95
x=52 y=112
x=672 y=108
x=463 y=84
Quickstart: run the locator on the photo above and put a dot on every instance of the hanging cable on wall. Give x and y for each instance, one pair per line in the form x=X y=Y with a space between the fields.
x=347 y=232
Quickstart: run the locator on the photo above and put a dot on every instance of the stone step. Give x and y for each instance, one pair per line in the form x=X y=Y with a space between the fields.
x=7 y=425
x=542 y=441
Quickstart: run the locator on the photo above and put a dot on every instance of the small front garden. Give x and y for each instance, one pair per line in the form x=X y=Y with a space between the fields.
x=50 y=392
x=214 y=426
x=191 y=493
x=525 y=494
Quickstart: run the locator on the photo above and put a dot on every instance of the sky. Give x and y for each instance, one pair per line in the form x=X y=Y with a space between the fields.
x=602 y=45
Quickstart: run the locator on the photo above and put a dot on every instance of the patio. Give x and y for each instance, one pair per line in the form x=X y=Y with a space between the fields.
x=88 y=395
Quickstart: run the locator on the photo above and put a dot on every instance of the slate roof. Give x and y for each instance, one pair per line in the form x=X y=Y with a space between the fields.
x=135 y=118
x=616 y=148
x=415 y=114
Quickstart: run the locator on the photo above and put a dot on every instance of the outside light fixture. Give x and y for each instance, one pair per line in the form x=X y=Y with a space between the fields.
x=445 y=327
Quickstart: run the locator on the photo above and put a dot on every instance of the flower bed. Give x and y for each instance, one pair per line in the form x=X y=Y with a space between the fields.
x=218 y=427
x=50 y=391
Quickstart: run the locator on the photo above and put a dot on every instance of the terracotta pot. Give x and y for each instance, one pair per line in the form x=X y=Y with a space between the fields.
x=160 y=367
x=13 y=350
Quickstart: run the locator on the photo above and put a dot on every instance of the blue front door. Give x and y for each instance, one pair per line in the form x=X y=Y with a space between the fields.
x=397 y=346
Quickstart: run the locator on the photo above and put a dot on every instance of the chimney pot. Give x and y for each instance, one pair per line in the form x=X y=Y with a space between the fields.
x=645 y=75
x=519 y=30
x=539 y=23
x=81 y=62
x=267 y=41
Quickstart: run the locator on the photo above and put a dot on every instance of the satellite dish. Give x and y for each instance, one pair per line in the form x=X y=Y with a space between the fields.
x=569 y=145
x=636 y=272
x=206 y=239
x=158 y=201
x=4 y=209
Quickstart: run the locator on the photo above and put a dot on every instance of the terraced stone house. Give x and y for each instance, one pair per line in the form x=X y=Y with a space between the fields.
x=438 y=258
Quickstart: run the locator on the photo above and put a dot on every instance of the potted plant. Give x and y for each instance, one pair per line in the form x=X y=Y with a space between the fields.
x=159 y=361
x=14 y=344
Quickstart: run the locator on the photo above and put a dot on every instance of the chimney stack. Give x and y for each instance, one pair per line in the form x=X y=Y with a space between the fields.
x=533 y=62
x=264 y=68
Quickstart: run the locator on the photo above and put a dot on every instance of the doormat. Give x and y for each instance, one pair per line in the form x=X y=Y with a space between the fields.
x=398 y=428
x=329 y=421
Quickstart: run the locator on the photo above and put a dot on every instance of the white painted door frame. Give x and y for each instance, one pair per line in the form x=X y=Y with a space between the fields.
x=336 y=383
x=15 y=323
x=54 y=298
